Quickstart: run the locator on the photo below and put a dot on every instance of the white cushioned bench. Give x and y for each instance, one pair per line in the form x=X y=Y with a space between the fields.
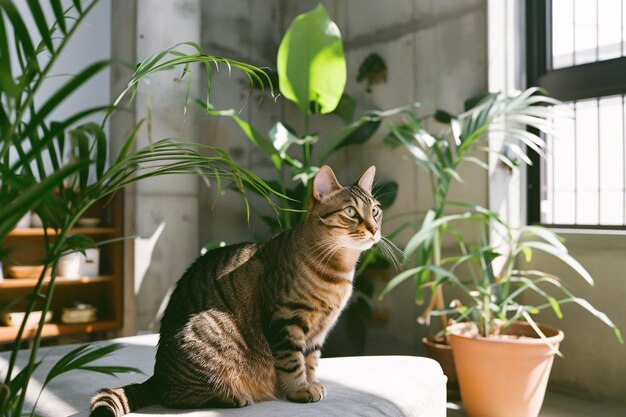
x=357 y=386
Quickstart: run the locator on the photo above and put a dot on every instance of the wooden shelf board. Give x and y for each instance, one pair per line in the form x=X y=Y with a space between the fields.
x=8 y=333
x=37 y=231
x=31 y=282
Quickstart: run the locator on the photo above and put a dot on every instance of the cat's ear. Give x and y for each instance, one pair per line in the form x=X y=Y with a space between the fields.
x=325 y=182
x=367 y=179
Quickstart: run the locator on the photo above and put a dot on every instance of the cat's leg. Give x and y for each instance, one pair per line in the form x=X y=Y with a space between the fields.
x=291 y=368
x=206 y=366
x=311 y=360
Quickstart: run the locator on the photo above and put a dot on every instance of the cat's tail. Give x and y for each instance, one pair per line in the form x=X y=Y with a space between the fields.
x=115 y=402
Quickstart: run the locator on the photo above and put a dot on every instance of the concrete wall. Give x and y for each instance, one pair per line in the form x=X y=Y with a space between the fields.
x=124 y=19
x=166 y=208
x=248 y=31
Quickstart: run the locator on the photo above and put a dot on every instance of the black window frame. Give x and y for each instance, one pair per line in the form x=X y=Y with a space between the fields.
x=579 y=82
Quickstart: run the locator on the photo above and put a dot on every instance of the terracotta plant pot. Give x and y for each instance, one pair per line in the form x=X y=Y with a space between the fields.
x=439 y=350
x=505 y=376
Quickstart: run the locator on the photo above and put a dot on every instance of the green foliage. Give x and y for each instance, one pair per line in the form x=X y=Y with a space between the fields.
x=311 y=73
x=311 y=64
x=42 y=179
x=494 y=298
x=81 y=358
x=461 y=142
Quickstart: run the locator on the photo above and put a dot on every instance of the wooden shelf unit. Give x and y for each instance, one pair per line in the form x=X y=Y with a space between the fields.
x=30 y=282
x=38 y=231
x=104 y=291
x=8 y=333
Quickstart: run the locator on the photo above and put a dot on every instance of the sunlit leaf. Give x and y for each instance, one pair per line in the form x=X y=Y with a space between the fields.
x=563 y=256
x=311 y=65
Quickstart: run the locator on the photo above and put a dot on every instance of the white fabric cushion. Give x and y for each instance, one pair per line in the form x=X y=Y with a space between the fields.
x=357 y=386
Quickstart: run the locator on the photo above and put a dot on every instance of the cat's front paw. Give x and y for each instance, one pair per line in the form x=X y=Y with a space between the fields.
x=310 y=394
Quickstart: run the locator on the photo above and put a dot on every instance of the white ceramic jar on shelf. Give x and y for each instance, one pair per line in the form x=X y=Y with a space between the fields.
x=75 y=265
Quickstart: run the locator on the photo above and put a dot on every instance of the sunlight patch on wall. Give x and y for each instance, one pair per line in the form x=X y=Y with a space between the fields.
x=144 y=247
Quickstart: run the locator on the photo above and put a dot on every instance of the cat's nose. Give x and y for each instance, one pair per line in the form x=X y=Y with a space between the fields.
x=373 y=229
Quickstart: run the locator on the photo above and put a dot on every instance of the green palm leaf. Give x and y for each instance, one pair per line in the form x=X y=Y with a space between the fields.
x=81 y=358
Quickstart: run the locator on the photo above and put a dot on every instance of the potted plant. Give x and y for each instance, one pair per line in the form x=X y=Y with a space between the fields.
x=43 y=179
x=462 y=140
x=502 y=355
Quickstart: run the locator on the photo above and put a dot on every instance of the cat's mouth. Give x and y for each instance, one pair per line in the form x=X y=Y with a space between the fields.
x=365 y=243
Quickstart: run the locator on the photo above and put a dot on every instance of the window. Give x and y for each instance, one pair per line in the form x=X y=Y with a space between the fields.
x=577 y=51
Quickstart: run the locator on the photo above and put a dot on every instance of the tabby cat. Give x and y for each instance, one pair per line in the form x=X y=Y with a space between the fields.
x=246 y=322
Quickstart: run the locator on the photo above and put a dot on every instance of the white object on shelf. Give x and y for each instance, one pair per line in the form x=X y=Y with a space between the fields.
x=69 y=265
x=76 y=265
x=90 y=264
x=15 y=318
x=81 y=314
x=35 y=220
x=88 y=222
x=24 y=221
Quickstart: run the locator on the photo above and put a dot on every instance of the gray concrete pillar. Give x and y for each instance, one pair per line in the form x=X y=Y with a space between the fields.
x=167 y=207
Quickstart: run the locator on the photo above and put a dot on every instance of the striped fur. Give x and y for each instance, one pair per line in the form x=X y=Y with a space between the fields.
x=246 y=322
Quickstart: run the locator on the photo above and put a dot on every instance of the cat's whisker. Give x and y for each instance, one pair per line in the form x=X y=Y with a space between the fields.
x=323 y=249
x=389 y=249
x=339 y=245
x=322 y=246
x=393 y=253
x=384 y=249
x=332 y=249
x=393 y=246
x=327 y=253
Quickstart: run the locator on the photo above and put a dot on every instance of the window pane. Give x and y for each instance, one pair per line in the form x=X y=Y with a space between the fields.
x=587 y=177
x=562 y=33
x=611 y=160
x=584 y=174
x=586 y=31
x=563 y=157
x=609 y=29
x=623 y=24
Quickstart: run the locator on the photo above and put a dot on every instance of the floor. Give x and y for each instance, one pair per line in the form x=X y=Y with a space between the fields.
x=559 y=405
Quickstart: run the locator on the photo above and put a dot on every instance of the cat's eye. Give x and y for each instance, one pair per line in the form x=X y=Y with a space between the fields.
x=350 y=211
x=375 y=211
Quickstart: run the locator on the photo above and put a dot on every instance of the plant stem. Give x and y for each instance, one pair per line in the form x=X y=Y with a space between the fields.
x=53 y=254
x=286 y=214
x=307 y=146
x=18 y=339
x=37 y=340
x=307 y=164
x=439 y=302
